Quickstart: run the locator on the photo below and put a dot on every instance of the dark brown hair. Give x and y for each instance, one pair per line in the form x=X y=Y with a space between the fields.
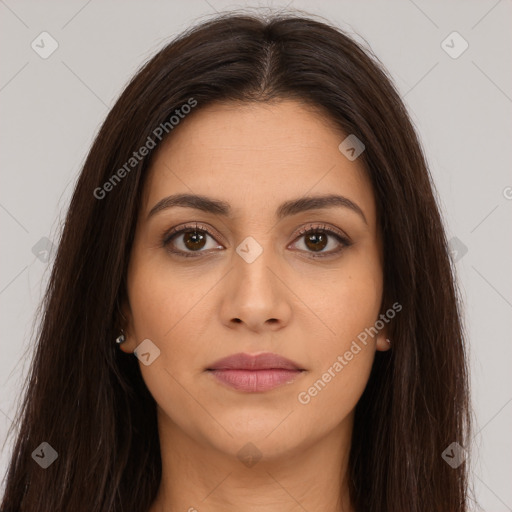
x=87 y=399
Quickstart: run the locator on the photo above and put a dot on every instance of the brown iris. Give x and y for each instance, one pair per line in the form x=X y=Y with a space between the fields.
x=194 y=240
x=316 y=241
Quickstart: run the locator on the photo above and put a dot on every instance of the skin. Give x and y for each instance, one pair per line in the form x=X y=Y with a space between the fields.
x=255 y=156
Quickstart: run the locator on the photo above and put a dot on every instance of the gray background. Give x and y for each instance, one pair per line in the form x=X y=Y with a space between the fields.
x=51 y=109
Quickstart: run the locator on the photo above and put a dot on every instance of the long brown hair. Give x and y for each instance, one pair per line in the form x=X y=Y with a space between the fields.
x=87 y=399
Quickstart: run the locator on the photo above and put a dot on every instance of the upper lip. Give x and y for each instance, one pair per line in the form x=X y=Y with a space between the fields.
x=264 y=361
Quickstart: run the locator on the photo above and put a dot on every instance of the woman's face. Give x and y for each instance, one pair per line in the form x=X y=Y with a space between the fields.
x=248 y=281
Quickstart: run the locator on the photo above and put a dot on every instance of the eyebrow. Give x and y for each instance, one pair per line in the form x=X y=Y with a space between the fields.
x=288 y=208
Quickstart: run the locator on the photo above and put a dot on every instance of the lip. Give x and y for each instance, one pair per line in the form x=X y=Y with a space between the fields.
x=255 y=373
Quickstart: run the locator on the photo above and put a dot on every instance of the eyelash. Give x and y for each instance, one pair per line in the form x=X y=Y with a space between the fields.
x=169 y=235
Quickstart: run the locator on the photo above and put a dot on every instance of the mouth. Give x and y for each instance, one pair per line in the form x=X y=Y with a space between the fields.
x=255 y=373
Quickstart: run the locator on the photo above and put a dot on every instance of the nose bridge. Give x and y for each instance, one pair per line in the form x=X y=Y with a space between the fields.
x=256 y=296
x=252 y=273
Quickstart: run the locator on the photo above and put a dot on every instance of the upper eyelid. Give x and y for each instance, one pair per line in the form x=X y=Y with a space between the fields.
x=324 y=227
x=185 y=227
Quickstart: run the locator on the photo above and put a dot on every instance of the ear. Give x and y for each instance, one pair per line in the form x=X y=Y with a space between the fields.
x=383 y=342
x=126 y=323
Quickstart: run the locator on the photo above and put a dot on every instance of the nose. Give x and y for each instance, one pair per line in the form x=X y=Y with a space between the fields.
x=256 y=296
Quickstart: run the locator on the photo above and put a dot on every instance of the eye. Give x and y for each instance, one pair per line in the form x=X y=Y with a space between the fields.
x=188 y=240
x=317 y=238
x=192 y=240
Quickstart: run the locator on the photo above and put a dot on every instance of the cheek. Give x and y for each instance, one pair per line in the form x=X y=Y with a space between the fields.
x=341 y=302
x=333 y=393
x=342 y=357
x=172 y=307
x=164 y=302
x=341 y=362
x=169 y=313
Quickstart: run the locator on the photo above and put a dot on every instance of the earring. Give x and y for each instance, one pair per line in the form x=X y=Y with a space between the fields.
x=121 y=338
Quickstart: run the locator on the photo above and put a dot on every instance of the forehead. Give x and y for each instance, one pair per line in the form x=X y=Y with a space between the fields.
x=257 y=155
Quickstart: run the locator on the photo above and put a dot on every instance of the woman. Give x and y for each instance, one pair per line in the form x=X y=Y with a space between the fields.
x=252 y=306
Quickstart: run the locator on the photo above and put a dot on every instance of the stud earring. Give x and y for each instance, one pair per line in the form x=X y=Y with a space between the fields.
x=121 y=338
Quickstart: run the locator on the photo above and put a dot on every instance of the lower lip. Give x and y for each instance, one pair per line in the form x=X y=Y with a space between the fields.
x=254 y=381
